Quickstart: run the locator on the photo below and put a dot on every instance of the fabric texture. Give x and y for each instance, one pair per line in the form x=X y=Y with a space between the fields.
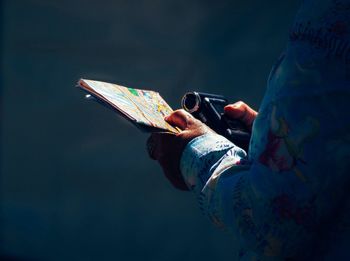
x=288 y=198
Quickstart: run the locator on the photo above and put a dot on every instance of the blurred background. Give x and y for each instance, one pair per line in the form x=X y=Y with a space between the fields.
x=76 y=182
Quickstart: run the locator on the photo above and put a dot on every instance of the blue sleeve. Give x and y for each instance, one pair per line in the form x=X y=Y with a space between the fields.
x=278 y=198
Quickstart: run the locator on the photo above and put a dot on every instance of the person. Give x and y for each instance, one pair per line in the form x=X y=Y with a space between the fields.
x=287 y=199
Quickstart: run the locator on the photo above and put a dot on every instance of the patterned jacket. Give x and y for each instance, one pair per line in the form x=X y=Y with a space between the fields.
x=288 y=197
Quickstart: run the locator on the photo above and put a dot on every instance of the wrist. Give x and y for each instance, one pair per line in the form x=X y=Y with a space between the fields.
x=199 y=155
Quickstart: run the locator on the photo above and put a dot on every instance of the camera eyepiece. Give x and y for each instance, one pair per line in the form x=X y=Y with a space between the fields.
x=191 y=102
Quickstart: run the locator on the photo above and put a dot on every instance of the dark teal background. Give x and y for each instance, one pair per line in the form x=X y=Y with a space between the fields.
x=76 y=183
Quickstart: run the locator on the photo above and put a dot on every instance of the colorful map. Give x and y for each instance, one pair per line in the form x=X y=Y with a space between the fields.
x=141 y=106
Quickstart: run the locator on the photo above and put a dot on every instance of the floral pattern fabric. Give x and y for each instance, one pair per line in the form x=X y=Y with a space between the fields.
x=288 y=197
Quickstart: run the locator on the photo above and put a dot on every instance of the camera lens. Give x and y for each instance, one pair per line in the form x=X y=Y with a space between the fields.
x=191 y=101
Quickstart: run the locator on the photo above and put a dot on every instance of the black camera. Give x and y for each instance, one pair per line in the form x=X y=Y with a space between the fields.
x=209 y=108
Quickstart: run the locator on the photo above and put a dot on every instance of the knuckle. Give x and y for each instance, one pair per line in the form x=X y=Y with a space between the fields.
x=240 y=104
x=180 y=113
x=231 y=106
x=196 y=122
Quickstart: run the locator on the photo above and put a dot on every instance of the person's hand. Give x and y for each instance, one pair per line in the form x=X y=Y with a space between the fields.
x=242 y=112
x=167 y=148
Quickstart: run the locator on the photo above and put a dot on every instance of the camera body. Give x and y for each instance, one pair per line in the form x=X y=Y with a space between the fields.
x=209 y=109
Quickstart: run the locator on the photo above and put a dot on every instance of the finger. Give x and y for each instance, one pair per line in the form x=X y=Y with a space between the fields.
x=156 y=144
x=179 y=118
x=241 y=111
x=176 y=179
x=151 y=147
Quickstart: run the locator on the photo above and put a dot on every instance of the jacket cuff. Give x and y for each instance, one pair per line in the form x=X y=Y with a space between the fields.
x=200 y=157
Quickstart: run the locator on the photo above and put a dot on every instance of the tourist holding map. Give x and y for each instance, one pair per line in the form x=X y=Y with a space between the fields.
x=287 y=199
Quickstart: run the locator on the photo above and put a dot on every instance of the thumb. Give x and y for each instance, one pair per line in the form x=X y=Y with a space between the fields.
x=179 y=118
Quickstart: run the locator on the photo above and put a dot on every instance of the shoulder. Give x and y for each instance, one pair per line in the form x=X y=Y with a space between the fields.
x=323 y=25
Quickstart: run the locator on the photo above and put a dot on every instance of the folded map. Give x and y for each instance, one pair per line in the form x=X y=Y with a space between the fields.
x=144 y=108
